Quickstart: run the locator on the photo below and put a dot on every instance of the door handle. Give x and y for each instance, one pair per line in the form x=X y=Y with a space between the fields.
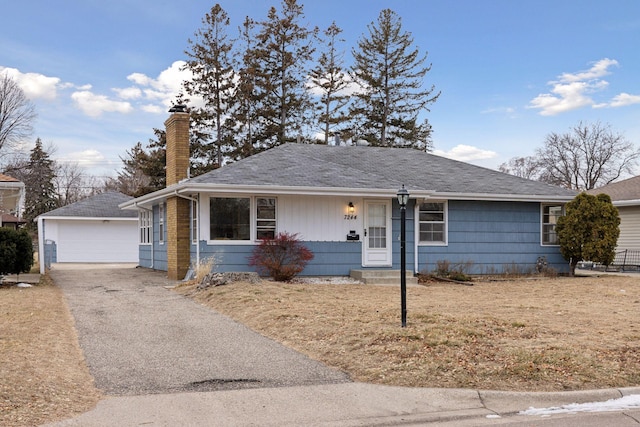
x=365 y=232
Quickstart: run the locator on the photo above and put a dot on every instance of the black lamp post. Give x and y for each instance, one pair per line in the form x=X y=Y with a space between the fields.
x=403 y=199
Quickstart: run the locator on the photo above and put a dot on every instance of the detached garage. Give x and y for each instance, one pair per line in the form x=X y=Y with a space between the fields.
x=93 y=230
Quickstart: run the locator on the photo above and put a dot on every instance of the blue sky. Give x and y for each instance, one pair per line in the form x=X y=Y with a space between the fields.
x=102 y=73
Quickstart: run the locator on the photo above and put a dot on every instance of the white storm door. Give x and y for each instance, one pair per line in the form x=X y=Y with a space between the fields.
x=377 y=234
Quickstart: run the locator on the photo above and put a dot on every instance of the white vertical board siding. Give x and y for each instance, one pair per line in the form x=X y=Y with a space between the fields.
x=319 y=219
x=629 y=228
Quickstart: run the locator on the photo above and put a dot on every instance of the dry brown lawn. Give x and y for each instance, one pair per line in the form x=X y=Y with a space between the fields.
x=535 y=335
x=543 y=335
x=43 y=376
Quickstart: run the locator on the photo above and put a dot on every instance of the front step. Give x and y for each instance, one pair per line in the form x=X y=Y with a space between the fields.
x=382 y=277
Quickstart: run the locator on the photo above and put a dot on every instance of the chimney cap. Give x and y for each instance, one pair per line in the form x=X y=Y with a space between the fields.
x=180 y=108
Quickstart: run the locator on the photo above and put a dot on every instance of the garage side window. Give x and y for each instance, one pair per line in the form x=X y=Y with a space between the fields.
x=144 y=225
x=230 y=218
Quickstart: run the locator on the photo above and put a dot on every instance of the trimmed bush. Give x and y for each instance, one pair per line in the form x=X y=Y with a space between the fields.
x=16 y=251
x=280 y=258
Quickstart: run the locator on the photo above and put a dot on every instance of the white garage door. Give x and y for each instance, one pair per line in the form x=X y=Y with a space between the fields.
x=97 y=241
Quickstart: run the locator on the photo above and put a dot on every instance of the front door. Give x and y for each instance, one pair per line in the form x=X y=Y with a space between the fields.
x=377 y=234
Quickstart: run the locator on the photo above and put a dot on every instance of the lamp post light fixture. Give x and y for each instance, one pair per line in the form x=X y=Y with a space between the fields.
x=403 y=199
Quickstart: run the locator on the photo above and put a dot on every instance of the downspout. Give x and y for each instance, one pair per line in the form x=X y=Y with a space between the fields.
x=152 y=242
x=197 y=201
x=416 y=238
x=41 y=255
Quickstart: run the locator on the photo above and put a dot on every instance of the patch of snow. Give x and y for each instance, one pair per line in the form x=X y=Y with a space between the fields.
x=623 y=403
x=493 y=416
x=24 y=285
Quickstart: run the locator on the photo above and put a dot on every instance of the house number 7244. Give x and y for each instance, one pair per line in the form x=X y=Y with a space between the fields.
x=350 y=216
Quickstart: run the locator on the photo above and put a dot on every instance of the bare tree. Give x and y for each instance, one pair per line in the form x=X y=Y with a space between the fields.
x=72 y=183
x=525 y=167
x=587 y=157
x=16 y=112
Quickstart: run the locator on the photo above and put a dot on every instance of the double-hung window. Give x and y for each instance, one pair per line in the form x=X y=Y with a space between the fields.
x=161 y=210
x=242 y=218
x=265 y=218
x=432 y=223
x=550 y=215
x=144 y=225
x=194 y=221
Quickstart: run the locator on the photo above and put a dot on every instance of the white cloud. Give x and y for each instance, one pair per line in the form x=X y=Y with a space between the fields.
x=466 y=153
x=160 y=91
x=571 y=91
x=129 y=93
x=94 y=105
x=34 y=85
x=86 y=158
x=621 y=100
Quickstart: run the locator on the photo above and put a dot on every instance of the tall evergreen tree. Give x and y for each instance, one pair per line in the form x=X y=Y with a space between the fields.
x=390 y=73
x=330 y=79
x=280 y=61
x=40 y=191
x=246 y=100
x=214 y=82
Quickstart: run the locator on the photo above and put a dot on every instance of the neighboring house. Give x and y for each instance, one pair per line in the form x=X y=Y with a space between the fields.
x=625 y=195
x=341 y=200
x=91 y=230
x=11 y=201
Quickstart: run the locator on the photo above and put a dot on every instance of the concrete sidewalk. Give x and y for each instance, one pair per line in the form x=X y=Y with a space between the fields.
x=345 y=405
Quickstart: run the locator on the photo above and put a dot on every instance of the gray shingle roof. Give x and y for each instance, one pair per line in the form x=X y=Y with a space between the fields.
x=103 y=205
x=304 y=165
x=629 y=189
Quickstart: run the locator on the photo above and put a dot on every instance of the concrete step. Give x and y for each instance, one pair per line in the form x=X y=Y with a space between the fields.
x=382 y=277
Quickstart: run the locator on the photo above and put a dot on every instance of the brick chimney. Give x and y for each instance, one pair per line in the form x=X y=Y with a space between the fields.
x=177 y=213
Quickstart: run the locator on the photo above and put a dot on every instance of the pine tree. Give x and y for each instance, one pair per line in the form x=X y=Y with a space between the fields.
x=589 y=230
x=390 y=73
x=280 y=60
x=330 y=79
x=210 y=61
x=40 y=191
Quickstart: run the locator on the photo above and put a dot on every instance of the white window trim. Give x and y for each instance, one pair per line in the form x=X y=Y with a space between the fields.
x=194 y=222
x=161 y=222
x=206 y=213
x=542 y=224
x=416 y=215
x=145 y=225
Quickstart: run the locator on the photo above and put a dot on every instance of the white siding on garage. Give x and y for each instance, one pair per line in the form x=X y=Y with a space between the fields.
x=629 y=227
x=96 y=240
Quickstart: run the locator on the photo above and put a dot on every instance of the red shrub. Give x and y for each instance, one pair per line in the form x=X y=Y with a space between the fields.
x=281 y=258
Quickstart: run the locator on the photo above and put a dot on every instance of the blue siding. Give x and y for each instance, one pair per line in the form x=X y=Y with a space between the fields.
x=159 y=252
x=493 y=236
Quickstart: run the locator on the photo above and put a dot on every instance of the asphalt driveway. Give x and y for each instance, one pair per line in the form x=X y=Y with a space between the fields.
x=139 y=337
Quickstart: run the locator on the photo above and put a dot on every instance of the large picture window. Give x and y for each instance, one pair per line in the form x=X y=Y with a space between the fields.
x=230 y=218
x=550 y=215
x=265 y=218
x=432 y=222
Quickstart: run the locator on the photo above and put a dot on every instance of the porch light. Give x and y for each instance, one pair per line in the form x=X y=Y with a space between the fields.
x=403 y=199
x=352 y=208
